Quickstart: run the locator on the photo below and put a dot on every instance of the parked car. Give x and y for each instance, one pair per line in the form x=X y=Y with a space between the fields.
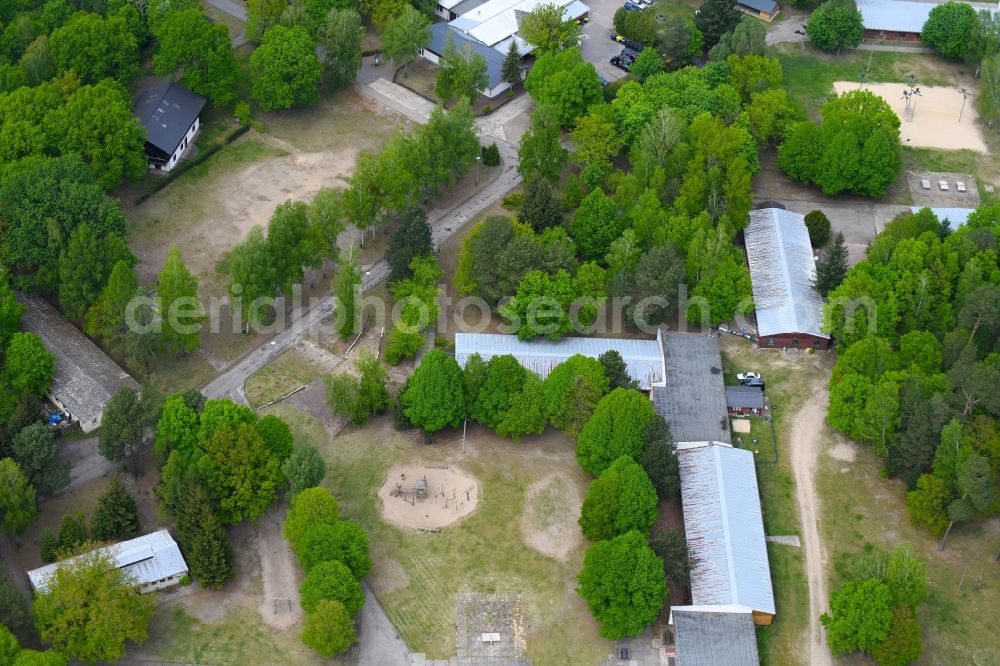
x=756 y=383
x=604 y=81
x=621 y=63
x=643 y=3
x=628 y=43
x=631 y=54
x=747 y=375
x=632 y=7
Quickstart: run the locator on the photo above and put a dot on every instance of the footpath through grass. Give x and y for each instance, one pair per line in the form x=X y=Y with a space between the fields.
x=416 y=575
x=787 y=377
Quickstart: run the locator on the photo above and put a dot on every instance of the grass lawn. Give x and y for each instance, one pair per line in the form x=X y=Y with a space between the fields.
x=862 y=510
x=787 y=377
x=674 y=8
x=289 y=371
x=416 y=576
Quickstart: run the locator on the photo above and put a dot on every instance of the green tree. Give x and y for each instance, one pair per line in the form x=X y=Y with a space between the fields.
x=677 y=558
x=503 y=381
x=977 y=492
x=546 y=29
x=122 y=428
x=240 y=472
x=253 y=276
x=180 y=310
x=597 y=140
x=770 y=113
x=927 y=504
x=331 y=580
x=116 y=612
x=178 y=426
x=312 y=506
x=652 y=286
x=540 y=153
x=832 y=267
x=72 y=533
x=715 y=18
x=621 y=500
x=358 y=398
x=648 y=63
x=17 y=499
x=9 y=647
x=343 y=541
x=512 y=70
x=623 y=584
x=10 y=312
x=277 y=437
x=95 y=48
x=596 y=225
x=949 y=28
x=304 y=469
x=566 y=81
x=329 y=630
x=989 y=90
x=106 y=318
x=616 y=428
x=28 y=366
x=541 y=208
x=903 y=644
x=835 y=24
x=188 y=40
x=83 y=270
x=541 y=305
x=615 y=370
x=747 y=38
x=526 y=415
x=341 y=35
x=290 y=243
x=818 y=225
x=285 y=70
x=347 y=291
x=461 y=72
x=404 y=36
x=203 y=538
x=434 y=397
x=117 y=516
x=660 y=459
x=34 y=449
x=15 y=612
x=412 y=238
x=261 y=15
x=860 y=617
x=572 y=391
x=984 y=39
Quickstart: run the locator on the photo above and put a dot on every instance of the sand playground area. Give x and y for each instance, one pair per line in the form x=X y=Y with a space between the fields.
x=935 y=120
x=427 y=497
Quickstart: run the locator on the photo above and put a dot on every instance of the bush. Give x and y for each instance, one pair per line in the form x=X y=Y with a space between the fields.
x=491 y=155
x=242 y=113
x=513 y=202
x=333 y=581
x=818 y=225
x=49 y=546
x=329 y=630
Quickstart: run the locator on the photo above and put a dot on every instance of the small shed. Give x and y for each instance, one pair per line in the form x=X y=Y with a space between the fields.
x=745 y=400
x=85 y=377
x=765 y=10
x=171 y=115
x=153 y=561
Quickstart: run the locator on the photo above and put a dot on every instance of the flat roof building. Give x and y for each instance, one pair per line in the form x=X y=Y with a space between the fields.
x=85 y=377
x=692 y=398
x=153 y=561
x=643 y=358
x=789 y=310
x=724 y=528
x=714 y=636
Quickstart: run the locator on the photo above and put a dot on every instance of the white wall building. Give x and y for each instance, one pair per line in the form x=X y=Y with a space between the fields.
x=171 y=115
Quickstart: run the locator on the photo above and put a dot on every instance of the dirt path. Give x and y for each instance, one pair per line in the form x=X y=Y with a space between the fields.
x=806 y=427
x=278 y=572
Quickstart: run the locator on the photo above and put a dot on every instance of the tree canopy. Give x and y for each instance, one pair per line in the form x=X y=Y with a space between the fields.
x=621 y=500
x=616 y=428
x=286 y=72
x=949 y=28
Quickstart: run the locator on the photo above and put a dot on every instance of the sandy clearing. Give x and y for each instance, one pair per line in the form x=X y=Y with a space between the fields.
x=741 y=425
x=451 y=495
x=935 y=122
x=843 y=451
x=807 y=425
x=551 y=511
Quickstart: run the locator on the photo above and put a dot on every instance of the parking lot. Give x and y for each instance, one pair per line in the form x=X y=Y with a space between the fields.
x=597 y=46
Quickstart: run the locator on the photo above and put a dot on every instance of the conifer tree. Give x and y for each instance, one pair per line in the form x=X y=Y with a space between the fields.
x=831 y=269
x=512 y=67
x=117 y=516
x=203 y=538
x=180 y=309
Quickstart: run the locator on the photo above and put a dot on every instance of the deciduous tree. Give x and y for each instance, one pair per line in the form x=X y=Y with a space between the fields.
x=17 y=499
x=660 y=458
x=240 y=472
x=835 y=24
x=331 y=580
x=34 y=449
x=461 y=72
x=180 y=310
x=358 y=398
x=312 y=506
x=116 y=612
x=28 y=366
x=616 y=428
x=95 y=48
x=623 y=583
x=122 y=428
x=572 y=391
x=434 y=396
x=948 y=29
x=286 y=72
x=304 y=469
x=860 y=617
x=540 y=153
x=343 y=541
x=547 y=30
x=341 y=35
x=404 y=36
x=329 y=630
x=503 y=381
x=189 y=41
x=621 y=500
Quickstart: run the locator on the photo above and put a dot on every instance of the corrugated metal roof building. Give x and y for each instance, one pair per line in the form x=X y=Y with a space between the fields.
x=85 y=377
x=725 y=528
x=783 y=270
x=692 y=398
x=643 y=358
x=901 y=19
x=495 y=22
x=956 y=217
x=714 y=636
x=153 y=560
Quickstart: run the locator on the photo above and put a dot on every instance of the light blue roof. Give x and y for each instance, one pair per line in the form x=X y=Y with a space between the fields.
x=724 y=526
x=956 y=216
x=783 y=271
x=643 y=358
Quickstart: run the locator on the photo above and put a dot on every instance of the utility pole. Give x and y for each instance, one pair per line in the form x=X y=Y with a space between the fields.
x=965 y=96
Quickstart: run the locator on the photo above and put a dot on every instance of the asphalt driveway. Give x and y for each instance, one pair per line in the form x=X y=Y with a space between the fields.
x=596 y=45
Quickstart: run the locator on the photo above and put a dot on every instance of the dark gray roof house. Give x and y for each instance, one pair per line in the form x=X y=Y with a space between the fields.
x=765 y=9
x=714 y=636
x=692 y=398
x=168 y=112
x=744 y=397
x=85 y=377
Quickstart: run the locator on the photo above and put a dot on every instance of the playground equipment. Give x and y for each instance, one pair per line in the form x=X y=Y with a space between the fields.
x=417 y=492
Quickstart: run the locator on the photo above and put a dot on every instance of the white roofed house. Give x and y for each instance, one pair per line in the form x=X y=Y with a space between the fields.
x=788 y=308
x=153 y=562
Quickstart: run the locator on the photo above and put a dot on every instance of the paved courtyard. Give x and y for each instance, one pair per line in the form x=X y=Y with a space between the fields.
x=597 y=47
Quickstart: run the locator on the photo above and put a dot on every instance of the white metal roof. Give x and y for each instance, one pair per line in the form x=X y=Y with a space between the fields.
x=724 y=526
x=643 y=358
x=496 y=20
x=783 y=270
x=955 y=216
x=146 y=559
x=901 y=15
